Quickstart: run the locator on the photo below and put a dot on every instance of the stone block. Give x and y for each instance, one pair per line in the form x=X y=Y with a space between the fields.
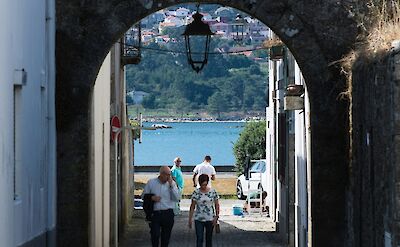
x=397 y=154
x=397 y=201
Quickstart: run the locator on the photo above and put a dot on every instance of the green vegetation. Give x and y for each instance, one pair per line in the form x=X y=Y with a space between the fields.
x=251 y=143
x=228 y=83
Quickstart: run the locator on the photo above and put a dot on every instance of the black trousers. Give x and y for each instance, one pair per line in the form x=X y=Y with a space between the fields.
x=161 y=225
x=200 y=226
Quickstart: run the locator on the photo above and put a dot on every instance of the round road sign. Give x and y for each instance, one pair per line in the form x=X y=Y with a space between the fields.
x=115 y=127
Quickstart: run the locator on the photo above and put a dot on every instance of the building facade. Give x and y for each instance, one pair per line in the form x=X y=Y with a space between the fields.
x=288 y=147
x=110 y=175
x=28 y=177
x=28 y=134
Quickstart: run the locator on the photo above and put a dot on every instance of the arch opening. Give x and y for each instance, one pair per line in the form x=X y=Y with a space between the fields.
x=313 y=56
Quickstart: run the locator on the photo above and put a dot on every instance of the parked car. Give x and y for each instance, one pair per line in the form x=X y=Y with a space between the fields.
x=259 y=178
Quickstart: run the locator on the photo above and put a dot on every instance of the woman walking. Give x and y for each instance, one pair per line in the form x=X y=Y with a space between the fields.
x=205 y=201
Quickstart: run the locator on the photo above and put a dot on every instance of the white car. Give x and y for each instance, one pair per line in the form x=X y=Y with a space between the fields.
x=259 y=179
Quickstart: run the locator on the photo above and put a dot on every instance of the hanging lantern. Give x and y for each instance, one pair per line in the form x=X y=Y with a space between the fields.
x=202 y=33
x=238 y=29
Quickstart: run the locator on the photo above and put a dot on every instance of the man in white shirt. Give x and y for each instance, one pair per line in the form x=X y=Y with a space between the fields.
x=204 y=168
x=165 y=195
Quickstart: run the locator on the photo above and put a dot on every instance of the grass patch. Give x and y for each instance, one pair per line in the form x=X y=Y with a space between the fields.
x=379 y=21
x=226 y=187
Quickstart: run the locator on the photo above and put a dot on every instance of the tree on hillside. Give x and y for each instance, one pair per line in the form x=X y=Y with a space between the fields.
x=217 y=103
x=149 y=101
x=181 y=106
x=251 y=143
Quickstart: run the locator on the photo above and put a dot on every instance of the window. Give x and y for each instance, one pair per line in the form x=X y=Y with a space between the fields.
x=254 y=168
x=263 y=167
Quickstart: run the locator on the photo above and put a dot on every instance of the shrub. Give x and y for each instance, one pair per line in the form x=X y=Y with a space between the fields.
x=251 y=143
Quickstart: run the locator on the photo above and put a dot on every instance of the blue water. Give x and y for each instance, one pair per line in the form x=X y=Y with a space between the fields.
x=191 y=141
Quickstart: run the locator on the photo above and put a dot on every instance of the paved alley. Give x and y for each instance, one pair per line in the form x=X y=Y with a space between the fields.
x=251 y=230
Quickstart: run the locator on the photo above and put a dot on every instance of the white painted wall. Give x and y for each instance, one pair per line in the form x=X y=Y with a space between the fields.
x=100 y=158
x=27 y=42
x=301 y=167
x=6 y=127
x=271 y=135
x=282 y=189
x=108 y=99
x=275 y=106
x=302 y=151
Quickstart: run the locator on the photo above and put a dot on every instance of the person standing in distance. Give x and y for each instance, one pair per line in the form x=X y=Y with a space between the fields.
x=177 y=176
x=204 y=168
x=165 y=196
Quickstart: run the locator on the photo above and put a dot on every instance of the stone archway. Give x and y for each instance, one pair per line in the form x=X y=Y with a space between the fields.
x=316 y=32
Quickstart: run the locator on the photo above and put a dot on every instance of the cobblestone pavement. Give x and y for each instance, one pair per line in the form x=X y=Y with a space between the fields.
x=253 y=230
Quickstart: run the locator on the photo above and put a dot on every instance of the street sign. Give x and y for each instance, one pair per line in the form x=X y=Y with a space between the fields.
x=115 y=128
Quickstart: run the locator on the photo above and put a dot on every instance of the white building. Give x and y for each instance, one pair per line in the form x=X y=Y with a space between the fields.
x=179 y=12
x=137 y=96
x=28 y=134
x=302 y=167
x=177 y=22
x=288 y=148
x=27 y=120
x=108 y=101
x=182 y=12
x=225 y=13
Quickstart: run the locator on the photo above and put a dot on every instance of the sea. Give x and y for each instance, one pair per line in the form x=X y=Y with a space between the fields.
x=189 y=140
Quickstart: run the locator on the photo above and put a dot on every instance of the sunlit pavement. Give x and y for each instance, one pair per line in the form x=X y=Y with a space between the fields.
x=250 y=230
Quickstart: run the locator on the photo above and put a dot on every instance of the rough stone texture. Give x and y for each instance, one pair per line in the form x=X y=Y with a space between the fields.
x=374 y=198
x=317 y=33
x=396 y=147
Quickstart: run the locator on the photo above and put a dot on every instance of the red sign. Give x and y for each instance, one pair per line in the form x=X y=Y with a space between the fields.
x=115 y=128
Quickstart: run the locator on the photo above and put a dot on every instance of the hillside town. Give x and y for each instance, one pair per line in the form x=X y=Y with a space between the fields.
x=221 y=22
x=240 y=35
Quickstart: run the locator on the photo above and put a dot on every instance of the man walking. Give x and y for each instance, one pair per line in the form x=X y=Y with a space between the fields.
x=165 y=195
x=204 y=168
x=177 y=176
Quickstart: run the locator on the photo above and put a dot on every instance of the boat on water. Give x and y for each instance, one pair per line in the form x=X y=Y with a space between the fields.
x=161 y=126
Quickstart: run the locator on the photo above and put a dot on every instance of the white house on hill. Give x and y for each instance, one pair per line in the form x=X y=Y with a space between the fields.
x=137 y=96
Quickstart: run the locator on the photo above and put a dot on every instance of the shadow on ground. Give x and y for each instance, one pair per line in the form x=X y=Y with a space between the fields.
x=137 y=234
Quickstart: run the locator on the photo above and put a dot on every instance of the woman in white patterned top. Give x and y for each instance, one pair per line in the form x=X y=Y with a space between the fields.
x=205 y=201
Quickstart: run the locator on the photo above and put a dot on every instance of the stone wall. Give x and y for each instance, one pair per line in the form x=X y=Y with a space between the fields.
x=395 y=63
x=87 y=29
x=373 y=216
